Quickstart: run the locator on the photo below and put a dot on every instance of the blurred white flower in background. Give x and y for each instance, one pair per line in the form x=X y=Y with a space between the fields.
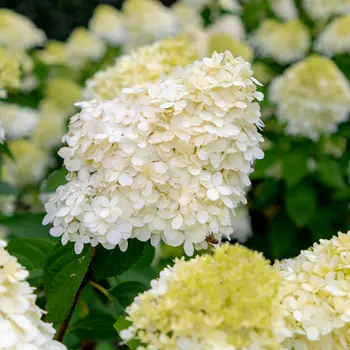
x=312 y=97
x=17 y=121
x=30 y=164
x=168 y=161
x=241 y=224
x=284 y=9
x=83 y=46
x=19 y=32
x=285 y=42
x=335 y=37
x=316 y=296
x=54 y=53
x=109 y=24
x=324 y=9
x=229 y=25
x=2 y=133
x=21 y=326
x=148 y=21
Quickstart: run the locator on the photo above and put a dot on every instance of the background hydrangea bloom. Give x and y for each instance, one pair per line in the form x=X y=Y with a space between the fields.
x=225 y=301
x=316 y=296
x=17 y=121
x=312 y=97
x=20 y=319
x=30 y=164
x=141 y=66
x=9 y=71
x=334 y=39
x=19 y=32
x=284 y=9
x=109 y=24
x=285 y=42
x=229 y=25
x=168 y=161
x=324 y=9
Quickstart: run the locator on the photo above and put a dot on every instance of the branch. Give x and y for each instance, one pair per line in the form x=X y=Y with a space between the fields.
x=63 y=328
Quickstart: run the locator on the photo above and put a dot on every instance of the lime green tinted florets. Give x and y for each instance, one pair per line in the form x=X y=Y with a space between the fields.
x=228 y=300
x=144 y=65
x=9 y=70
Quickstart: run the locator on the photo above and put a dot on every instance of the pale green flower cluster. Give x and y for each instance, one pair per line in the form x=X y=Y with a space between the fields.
x=316 y=296
x=334 y=39
x=234 y=300
x=312 y=97
x=285 y=42
x=284 y=9
x=229 y=300
x=144 y=65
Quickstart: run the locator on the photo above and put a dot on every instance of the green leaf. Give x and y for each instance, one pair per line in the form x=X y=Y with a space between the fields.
x=280 y=235
x=97 y=326
x=109 y=263
x=26 y=225
x=122 y=324
x=126 y=292
x=63 y=274
x=146 y=258
x=31 y=253
x=294 y=166
x=320 y=225
x=330 y=173
x=261 y=166
x=5 y=149
x=301 y=204
x=6 y=189
x=55 y=179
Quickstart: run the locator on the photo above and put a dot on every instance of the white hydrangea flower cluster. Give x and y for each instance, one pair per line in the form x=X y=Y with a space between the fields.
x=285 y=42
x=17 y=121
x=21 y=326
x=229 y=25
x=316 y=296
x=312 y=97
x=324 y=9
x=19 y=32
x=284 y=9
x=168 y=161
x=228 y=5
x=109 y=24
x=334 y=39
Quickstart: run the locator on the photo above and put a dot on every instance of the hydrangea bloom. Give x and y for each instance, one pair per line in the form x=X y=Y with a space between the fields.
x=83 y=46
x=141 y=66
x=148 y=21
x=2 y=133
x=30 y=165
x=284 y=9
x=334 y=39
x=18 y=121
x=18 y=32
x=63 y=93
x=316 y=296
x=53 y=53
x=21 y=326
x=108 y=23
x=241 y=224
x=229 y=5
x=7 y=205
x=51 y=126
x=168 y=161
x=312 y=97
x=226 y=301
x=9 y=71
x=324 y=9
x=285 y=42
x=222 y=42
x=229 y=25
